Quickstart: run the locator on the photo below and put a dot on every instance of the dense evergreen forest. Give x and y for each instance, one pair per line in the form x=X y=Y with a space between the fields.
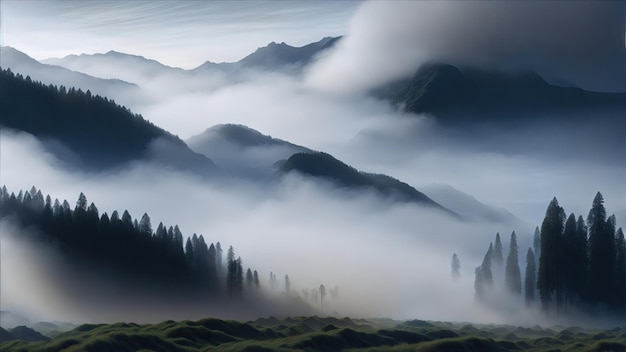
x=573 y=266
x=123 y=249
x=101 y=133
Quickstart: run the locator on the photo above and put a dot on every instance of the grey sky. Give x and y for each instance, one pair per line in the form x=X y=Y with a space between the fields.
x=182 y=34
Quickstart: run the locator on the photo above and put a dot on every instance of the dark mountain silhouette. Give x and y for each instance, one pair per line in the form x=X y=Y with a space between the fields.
x=276 y=57
x=5 y=336
x=93 y=132
x=240 y=135
x=27 y=334
x=457 y=94
x=19 y=62
x=243 y=151
x=322 y=165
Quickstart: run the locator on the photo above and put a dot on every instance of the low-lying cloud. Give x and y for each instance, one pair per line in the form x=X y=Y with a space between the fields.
x=580 y=42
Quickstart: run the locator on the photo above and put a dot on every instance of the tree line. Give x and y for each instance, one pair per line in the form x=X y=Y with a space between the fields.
x=84 y=122
x=573 y=263
x=124 y=249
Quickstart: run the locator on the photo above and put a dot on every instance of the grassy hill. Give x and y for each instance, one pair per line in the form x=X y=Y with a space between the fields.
x=323 y=334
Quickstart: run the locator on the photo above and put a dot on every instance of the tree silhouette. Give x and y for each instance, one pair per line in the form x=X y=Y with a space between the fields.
x=456 y=266
x=497 y=258
x=322 y=294
x=487 y=274
x=549 y=280
x=287 y=284
x=530 y=280
x=512 y=277
x=602 y=253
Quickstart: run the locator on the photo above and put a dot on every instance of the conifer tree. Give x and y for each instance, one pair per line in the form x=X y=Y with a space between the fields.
x=145 y=225
x=456 y=266
x=580 y=259
x=479 y=286
x=620 y=275
x=602 y=254
x=530 y=280
x=257 y=284
x=249 y=279
x=498 y=255
x=549 y=271
x=487 y=274
x=512 y=278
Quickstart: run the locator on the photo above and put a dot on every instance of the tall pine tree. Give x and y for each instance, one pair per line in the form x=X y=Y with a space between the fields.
x=530 y=278
x=513 y=278
x=602 y=254
x=549 y=270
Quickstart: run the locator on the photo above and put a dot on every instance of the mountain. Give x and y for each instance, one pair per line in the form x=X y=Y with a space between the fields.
x=19 y=62
x=324 y=166
x=453 y=94
x=129 y=67
x=276 y=57
x=90 y=131
x=5 y=336
x=463 y=203
x=27 y=334
x=243 y=151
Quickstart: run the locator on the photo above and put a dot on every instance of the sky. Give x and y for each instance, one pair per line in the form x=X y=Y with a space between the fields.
x=177 y=33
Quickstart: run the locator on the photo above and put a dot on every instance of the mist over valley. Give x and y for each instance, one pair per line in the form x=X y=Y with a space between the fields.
x=404 y=170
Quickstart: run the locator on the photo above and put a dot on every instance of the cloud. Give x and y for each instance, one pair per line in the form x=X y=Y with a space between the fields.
x=578 y=42
x=382 y=256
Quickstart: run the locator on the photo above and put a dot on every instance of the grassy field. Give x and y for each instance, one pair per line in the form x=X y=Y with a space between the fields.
x=323 y=334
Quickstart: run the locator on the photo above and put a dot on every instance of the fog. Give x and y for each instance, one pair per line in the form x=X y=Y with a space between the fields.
x=579 y=43
x=387 y=259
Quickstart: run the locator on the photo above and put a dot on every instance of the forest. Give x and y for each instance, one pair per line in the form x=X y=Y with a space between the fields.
x=574 y=265
x=123 y=249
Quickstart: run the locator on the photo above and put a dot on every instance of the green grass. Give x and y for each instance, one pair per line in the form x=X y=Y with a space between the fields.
x=323 y=334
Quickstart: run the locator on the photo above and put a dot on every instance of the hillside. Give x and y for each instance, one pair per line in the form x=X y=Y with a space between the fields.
x=469 y=206
x=18 y=62
x=453 y=93
x=95 y=132
x=324 y=334
x=324 y=166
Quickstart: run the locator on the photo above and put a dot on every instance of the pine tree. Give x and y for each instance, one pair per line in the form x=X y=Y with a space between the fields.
x=189 y=253
x=566 y=257
x=219 y=263
x=257 y=284
x=322 y=294
x=602 y=254
x=512 y=278
x=580 y=259
x=529 y=282
x=249 y=279
x=479 y=286
x=212 y=265
x=287 y=284
x=456 y=267
x=487 y=274
x=145 y=226
x=549 y=270
x=497 y=252
x=620 y=276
